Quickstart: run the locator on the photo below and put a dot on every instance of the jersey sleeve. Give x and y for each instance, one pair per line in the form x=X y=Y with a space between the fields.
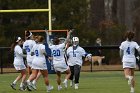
x=83 y=52
x=137 y=46
x=19 y=50
x=121 y=46
x=24 y=44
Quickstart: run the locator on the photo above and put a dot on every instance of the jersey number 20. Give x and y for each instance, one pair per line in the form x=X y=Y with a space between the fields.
x=56 y=53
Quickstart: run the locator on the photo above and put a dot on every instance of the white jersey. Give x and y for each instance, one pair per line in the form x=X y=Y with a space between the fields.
x=39 y=61
x=129 y=51
x=58 y=53
x=28 y=45
x=75 y=56
x=18 y=59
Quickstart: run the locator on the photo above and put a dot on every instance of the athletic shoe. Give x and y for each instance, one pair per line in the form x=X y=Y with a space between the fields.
x=49 y=88
x=132 y=90
x=13 y=86
x=29 y=86
x=76 y=86
x=71 y=83
x=22 y=89
x=65 y=84
x=59 y=87
x=34 y=86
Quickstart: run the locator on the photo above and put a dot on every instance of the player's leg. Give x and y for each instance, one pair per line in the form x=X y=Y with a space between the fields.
x=13 y=84
x=22 y=84
x=29 y=70
x=46 y=80
x=127 y=73
x=68 y=74
x=31 y=78
x=132 y=81
x=72 y=75
x=36 y=79
x=77 y=69
x=58 y=73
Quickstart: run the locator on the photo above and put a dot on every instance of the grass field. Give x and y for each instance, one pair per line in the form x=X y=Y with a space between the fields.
x=90 y=82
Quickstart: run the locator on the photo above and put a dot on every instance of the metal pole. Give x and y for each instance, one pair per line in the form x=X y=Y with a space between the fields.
x=24 y=10
x=50 y=19
x=91 y=67
x=1 y=61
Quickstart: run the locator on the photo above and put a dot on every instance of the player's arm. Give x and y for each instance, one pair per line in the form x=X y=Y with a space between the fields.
x=121 y=53
x=47 y=37
x=23 y=55
x=68 y=36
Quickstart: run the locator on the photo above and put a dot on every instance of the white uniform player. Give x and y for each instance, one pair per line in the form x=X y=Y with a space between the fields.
x=39 y=61
x=129 y=59
x=28 y=45
x=127 y=53
x=58 y=57
x=19 y=64
x=18 y=58
x=75 y=54
x=39 y=64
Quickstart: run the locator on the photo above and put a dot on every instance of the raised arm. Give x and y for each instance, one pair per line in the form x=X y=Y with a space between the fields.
x=68 y=36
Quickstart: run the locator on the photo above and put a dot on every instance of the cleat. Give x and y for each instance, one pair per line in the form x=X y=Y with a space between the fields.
x=29 y=86
x=65 y=84
x=59 y=87
x=71 y=83
x=34 y=86
x=13 y=86
x=50 y=88
x=76 y=86
x=22 y=89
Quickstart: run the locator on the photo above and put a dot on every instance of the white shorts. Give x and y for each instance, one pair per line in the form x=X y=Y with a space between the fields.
x=19 y=67
x=129 y=64
x=29 y=60
x=39 y=64
x=61 y=67
x=29 y=64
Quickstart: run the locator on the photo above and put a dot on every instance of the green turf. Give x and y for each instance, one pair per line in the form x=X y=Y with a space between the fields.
x=90 y=82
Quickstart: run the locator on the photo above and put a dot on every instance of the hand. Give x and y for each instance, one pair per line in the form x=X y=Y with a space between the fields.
x=89 y=57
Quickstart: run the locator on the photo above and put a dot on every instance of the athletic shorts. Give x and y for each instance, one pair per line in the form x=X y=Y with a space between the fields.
x=39 y=64
x=19 y=67
x=61 y=67
x=129 y=64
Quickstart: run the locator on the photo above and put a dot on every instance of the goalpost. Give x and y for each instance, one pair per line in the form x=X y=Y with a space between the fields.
x=33 y=10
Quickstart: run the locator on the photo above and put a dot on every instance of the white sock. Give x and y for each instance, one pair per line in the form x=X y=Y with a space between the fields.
x=129 y=77
x=65 y=80
x=132 y=89
x=34 y=82
x=21 y=84
x=28 y=80
x=15 y=82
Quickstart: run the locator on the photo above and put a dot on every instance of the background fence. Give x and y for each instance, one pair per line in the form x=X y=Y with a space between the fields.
x=112 y=60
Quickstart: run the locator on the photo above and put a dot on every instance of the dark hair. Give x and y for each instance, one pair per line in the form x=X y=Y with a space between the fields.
x=56 y=41
x=27 y=33
x=129 y=35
